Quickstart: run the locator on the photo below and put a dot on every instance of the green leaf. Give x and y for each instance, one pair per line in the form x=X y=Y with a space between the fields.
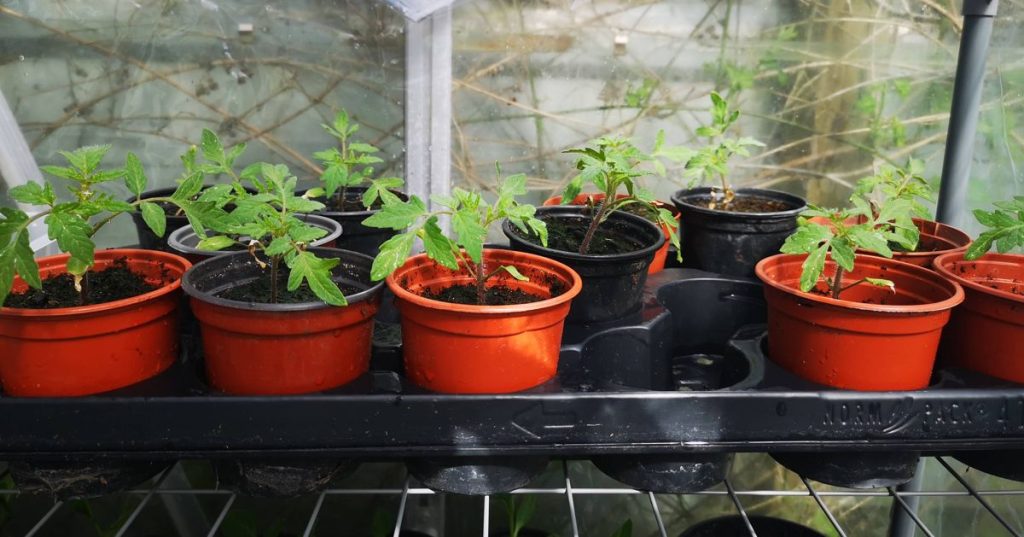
x=625 y=530
x=154 y=217
x=515 y=273
x=73 y=235
x=438 y=247
x=397 y=216
x=34 y=194
x=189 y=187
x=843 y=253
x=812 y=268
x=871 y=240
x=393 y=254
x=278 y=247
x=471 y=233
x=216 y=242
x=381 y=188
x=362 y=148
x=213 y=149
x=134 y=175
x=62 y=172
x=806 y=239
x=317 y=274
x=881 y=282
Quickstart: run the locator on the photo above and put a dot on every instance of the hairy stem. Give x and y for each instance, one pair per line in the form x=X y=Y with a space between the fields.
x=601 y=210
x=837 y=283
x=481 y=279
x=274 y=262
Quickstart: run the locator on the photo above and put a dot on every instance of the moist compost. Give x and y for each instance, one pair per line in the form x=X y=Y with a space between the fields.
x=498 y=295
x=566 y=234
x=349 y=204
x=115 y=282
x=742 y=204
x=259 y=291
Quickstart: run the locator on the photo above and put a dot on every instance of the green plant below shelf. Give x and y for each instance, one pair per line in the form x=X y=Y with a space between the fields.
x=711 y=162
x=612 y=163
x=350 y=165
x=1006 y=228
x=519 y=512
x=470 y=219
x=73 y=223
x=899 y=186
x=840 y=235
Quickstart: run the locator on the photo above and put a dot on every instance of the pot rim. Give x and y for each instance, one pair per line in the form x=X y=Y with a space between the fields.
x=577 y=285
x=933 y=253
x=678 y=198
x=175 y=238
x=189 y=288
x=509 y=229
x=930 y=307
x=940 y=266
x=354 y=214
x=165 y=257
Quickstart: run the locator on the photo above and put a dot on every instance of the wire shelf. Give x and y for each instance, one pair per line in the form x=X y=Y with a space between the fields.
x=903 y=501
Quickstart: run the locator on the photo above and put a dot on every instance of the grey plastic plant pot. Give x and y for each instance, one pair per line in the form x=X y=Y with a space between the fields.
x=731 y=243
x=184 y=241
x=612 y=284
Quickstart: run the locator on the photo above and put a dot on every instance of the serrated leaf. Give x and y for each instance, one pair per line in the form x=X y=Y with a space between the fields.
x=806 y=239
x=73 y=235
x=871 y=240
x=189 y=187
x=216 y=242
x=812 y=268
x=24 y=261
x=471 y=233
x=843 y=253
x=34 y=194
x=393 y=253
x=134 y=175
x=438 y=247
x=362 y=148
x=278 y=247
x=397 y=216
x=317 y=274
x=154 y=217
x=213 y=149
x=881 y=282
x=302 y=232
x=60 y=171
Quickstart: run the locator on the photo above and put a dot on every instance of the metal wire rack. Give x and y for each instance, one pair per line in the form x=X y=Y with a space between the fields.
x=902 y=501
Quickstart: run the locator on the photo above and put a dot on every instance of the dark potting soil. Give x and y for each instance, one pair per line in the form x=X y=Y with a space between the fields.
x=743 y=204
x=115 y=282
x=495 y=296
x=566 y=234
x=259 y=291
x=351 y=203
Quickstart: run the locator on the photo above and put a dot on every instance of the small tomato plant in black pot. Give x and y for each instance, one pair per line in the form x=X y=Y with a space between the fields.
x=609 y=247
x=127 y=295
x=474 y=320
x=728 y=230
x=280 y=316
x=350 y=190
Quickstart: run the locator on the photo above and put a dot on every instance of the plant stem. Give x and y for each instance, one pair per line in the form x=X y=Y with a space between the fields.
x=585 y=245
x=837 y=283
x=481 y=279
x=274 y=262
x=83 y=295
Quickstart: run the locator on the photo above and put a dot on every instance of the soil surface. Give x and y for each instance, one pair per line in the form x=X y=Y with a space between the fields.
x=259 y=291
x=352 y=203
x=567 y=234
x=496 y=296
x=115 y=282
x=743 y=204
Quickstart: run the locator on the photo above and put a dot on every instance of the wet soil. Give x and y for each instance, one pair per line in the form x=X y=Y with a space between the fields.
x=496 y=296
x=743 y=204
x=566 y=234
x=259 y=291
x=115 y=282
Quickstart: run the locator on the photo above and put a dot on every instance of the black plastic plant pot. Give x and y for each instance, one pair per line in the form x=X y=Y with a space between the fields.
x=476 y=476
x=699 y=358
x=280 y=479
x=185 y=242
x=357 y=237
x=81 y=479
x=1007 y=464
x=735 y=526
x=855 y=470
x=726 y=242
x=149 y=240
x=252 y=347
x=612 y=284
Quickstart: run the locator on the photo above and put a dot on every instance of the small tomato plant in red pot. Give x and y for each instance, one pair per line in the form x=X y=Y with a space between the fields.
x=610 y=248
x=853 y=321
x=270 y=316
x=86 y=322
x=986 y=333
x=473 y=320
x=921 y=239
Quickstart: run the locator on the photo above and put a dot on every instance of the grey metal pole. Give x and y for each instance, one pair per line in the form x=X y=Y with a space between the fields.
x=979 y=16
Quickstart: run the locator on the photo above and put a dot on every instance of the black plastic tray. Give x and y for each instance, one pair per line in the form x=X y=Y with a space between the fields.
x=667 y=380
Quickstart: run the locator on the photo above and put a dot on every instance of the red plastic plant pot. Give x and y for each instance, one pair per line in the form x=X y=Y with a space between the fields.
x=278 y=349
x=96 y=348
x=872 y=339
x=660 y=256
x=459 y=348
x=986 y=333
